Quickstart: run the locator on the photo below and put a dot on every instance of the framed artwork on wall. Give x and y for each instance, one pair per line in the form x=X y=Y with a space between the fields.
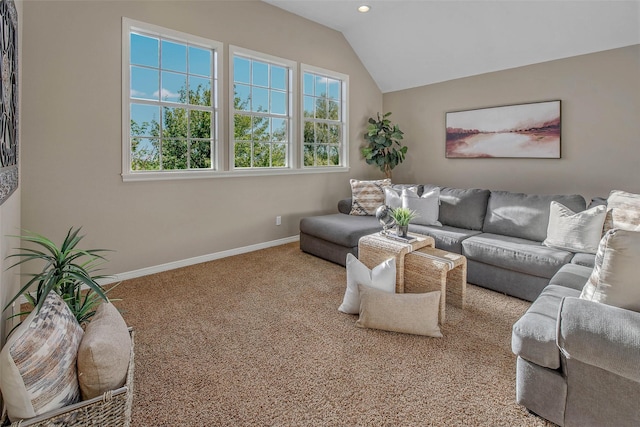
x=9 y=99
x=512 y=131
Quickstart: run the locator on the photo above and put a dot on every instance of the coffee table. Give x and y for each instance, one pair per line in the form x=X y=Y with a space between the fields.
x=432 y=269
x=374 y=249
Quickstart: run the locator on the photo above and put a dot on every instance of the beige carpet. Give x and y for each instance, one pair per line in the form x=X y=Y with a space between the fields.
x=257 y=340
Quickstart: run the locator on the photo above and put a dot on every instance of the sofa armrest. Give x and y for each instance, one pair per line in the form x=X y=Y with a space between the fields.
x=600 y=335
x=344 y=206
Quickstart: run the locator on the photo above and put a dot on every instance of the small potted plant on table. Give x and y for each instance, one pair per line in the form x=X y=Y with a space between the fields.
x=402 y=217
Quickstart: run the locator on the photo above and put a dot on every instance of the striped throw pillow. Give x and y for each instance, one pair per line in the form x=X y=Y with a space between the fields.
x=38 y=362
x=623 y=211
x=367 y=196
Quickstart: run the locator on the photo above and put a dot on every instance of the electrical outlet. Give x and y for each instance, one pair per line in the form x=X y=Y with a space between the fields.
x=278 y=220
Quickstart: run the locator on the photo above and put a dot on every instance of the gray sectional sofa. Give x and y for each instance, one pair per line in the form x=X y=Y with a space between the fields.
x=499 y=232
x=577 y=360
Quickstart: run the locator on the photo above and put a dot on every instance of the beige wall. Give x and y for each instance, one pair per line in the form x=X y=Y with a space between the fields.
x=600 y=96
x=72 y=135
x=10 y=222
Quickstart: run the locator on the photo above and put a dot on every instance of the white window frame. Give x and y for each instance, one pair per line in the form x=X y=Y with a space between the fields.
x=130 y=25
x=291 y=116
x=344 y=109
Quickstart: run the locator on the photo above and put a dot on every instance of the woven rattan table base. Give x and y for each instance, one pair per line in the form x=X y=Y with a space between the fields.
x=432 y=269
x=374 y=249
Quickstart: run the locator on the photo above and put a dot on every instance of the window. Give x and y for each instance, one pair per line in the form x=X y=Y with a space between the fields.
x=172 y=109
x=324 y=97
x=261 y=109
x=171 y=112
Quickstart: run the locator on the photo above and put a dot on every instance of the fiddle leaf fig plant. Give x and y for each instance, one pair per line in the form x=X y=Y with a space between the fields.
x=383 y=148
x=66 y=270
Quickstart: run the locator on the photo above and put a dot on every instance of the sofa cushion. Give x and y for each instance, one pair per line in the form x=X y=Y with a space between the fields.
x=524 y=215
x=586 y=260
x=446 y=237
x=344 y=230
x=38 y=362
x=344 y=206
x=575 y=231
x=614 y=279
x=462 y=208
x=572 y=276
x=534 y=335
x=513 y=253
x=367 y=196
x=623 y=211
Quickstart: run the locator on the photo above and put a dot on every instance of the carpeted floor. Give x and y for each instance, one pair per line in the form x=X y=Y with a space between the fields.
x=257 y=340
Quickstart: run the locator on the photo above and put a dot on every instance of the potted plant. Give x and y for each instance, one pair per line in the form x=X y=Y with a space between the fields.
x=402 y=217
x=383 y=147
x=66 y=270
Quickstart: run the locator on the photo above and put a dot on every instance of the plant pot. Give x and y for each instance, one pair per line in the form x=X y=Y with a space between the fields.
x=401 y=230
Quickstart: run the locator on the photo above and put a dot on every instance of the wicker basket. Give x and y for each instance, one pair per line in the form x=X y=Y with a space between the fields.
x=113 y=408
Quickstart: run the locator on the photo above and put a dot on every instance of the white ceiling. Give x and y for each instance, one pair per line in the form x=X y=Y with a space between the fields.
x=410 y=43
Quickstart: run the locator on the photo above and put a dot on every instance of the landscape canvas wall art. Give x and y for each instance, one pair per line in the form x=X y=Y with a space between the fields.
x=511 y=131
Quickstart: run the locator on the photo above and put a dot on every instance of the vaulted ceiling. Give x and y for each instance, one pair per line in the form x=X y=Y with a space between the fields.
x=410 y=43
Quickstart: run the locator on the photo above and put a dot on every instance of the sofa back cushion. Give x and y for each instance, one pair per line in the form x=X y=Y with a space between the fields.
x=462 y=208
x=525 y=215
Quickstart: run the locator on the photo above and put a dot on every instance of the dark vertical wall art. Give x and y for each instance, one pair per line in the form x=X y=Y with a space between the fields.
x=9 y=99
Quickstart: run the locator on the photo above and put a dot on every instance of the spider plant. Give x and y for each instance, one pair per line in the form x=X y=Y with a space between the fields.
x=66 y=270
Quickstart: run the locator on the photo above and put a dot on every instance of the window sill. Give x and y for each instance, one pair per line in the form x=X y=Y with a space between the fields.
x=164 y=176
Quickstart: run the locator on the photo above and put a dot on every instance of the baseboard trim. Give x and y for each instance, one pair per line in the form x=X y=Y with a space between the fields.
x=115 y=278
x=198 y=260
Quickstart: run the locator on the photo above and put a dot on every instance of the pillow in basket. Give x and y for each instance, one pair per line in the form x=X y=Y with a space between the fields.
x=38 y=362
x=104 y=353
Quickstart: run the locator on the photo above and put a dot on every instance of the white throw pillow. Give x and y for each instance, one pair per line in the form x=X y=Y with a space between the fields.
x=405 y=313
x=367 y=196
x=426 y=206
x=382 y=277
x=614 y=279
x=575 y=231
x=38 y=362
x=623 y=211
x=392 y=198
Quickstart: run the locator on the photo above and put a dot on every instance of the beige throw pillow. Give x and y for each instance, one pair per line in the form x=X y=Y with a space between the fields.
x=406 y=313
x=623 y=211
x=575 y=232
x=367 y=196
x=103 y=356
x=38 y=361
x=614 y=279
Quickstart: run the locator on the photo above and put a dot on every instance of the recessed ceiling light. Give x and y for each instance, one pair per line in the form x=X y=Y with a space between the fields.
x=364 y=8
